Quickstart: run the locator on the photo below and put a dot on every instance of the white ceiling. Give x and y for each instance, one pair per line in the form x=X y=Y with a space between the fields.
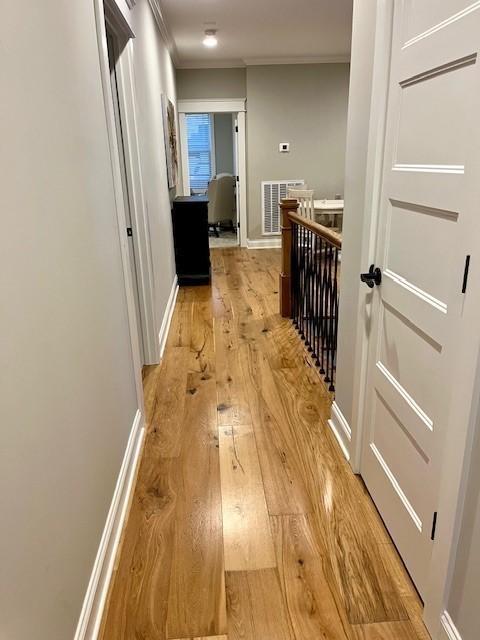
x=259 y=31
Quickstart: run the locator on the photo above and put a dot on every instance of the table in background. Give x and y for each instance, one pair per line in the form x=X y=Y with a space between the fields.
x=329 y=210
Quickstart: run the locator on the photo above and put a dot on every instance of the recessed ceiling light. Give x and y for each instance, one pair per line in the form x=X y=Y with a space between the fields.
x=210 y=39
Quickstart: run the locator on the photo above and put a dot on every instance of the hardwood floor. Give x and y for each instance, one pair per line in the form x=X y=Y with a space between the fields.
x=247 y=522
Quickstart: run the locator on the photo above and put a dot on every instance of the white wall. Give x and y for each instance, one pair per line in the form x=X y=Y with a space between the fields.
x=154 y=75
x=354 y=302
x=67 y=392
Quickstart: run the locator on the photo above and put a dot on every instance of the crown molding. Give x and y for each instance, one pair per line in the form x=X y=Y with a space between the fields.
x=252 y=62
x=164 y=30
x=210 y=64
x=297 y=60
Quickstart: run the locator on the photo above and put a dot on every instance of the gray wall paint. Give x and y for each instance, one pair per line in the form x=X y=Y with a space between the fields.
x=67 y=394
x=305 y=105
x=353 y=300
x=211 y=83
x=223 y=125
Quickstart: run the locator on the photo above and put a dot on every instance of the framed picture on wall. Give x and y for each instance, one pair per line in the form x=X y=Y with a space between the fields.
x=171 y=147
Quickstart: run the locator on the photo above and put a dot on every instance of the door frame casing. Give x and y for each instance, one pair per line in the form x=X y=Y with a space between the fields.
x=455 y=458
x=101 y=7
x=116 y=12
x=218 y=105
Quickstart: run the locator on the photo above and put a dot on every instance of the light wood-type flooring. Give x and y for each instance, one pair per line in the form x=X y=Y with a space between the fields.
x=247 y=522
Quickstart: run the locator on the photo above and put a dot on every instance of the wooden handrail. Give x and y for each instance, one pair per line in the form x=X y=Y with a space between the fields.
x=327 y=234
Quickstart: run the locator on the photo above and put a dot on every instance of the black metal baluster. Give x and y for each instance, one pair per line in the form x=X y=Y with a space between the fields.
x=293 y=271
x=328 y=313
x=334 y=320
x=302 y=283
x=308 y=312
x=324 y=308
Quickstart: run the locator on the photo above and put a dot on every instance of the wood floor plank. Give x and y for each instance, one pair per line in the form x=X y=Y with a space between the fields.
x=180 y=331
x=366 y=588
x=202 y=350
x=232 y=403
x=284 y=487
x=384 y=631
x=256 y=609
x=246 y=527
x=311 y=605
x=205 y=638
x=196 y=602
x=167 y=409
x=169 y=579
x=137 y=603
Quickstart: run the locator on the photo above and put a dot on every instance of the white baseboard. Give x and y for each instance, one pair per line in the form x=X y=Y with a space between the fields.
x=167 y=317
x=97 y=590
x=265 y=243
x=449 y=629
x=341 y=430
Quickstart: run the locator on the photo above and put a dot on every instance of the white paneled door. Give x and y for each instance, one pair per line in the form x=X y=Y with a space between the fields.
x=428 y=233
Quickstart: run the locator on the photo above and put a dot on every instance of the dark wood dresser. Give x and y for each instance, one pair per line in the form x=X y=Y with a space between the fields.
x=190 y=237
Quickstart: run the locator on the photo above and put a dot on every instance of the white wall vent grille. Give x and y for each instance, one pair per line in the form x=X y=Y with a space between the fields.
x=272 y=192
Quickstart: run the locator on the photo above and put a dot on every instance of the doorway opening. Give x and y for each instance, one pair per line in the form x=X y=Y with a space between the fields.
x=115 y=45
x=212 y=138
x=212 y=171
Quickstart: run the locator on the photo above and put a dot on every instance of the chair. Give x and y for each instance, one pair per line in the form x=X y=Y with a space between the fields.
x=305 y=200
x=221 y=202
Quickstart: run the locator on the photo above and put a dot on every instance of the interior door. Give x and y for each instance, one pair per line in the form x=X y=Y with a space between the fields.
x=115 y=84
x=428 y=228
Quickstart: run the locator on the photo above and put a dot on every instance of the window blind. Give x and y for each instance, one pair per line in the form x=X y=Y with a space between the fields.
x=199 y=134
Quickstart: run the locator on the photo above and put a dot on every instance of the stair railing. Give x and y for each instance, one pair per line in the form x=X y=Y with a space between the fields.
x=309 y=285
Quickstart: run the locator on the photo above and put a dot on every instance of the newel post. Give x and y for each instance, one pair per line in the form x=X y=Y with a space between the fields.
x=286 y=205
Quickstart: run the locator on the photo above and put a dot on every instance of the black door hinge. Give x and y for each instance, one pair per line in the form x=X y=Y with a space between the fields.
x=434 y=525
x=236 y=129
x=238 y=178
x=129 y=232
x=465 y=273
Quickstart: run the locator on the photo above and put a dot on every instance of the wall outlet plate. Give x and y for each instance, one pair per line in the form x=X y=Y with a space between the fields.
x=284 y=147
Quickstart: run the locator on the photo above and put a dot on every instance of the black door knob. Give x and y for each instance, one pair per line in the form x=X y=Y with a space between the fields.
x=373 y=277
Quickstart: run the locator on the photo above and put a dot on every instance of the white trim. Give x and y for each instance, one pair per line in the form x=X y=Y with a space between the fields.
x=210 y=64
x=264 y=243
x=213 y=151
x=241 y=63
x=374 y=171
x=341 y=429
x=300 y=60
x=451 y=631
x=141 y=232
x=97 y=590
x=212 y=105
x=118 y=189
x=162 y=25
x=119 y=14
x=182 y=127
x=242 y=177
x=167 y=317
